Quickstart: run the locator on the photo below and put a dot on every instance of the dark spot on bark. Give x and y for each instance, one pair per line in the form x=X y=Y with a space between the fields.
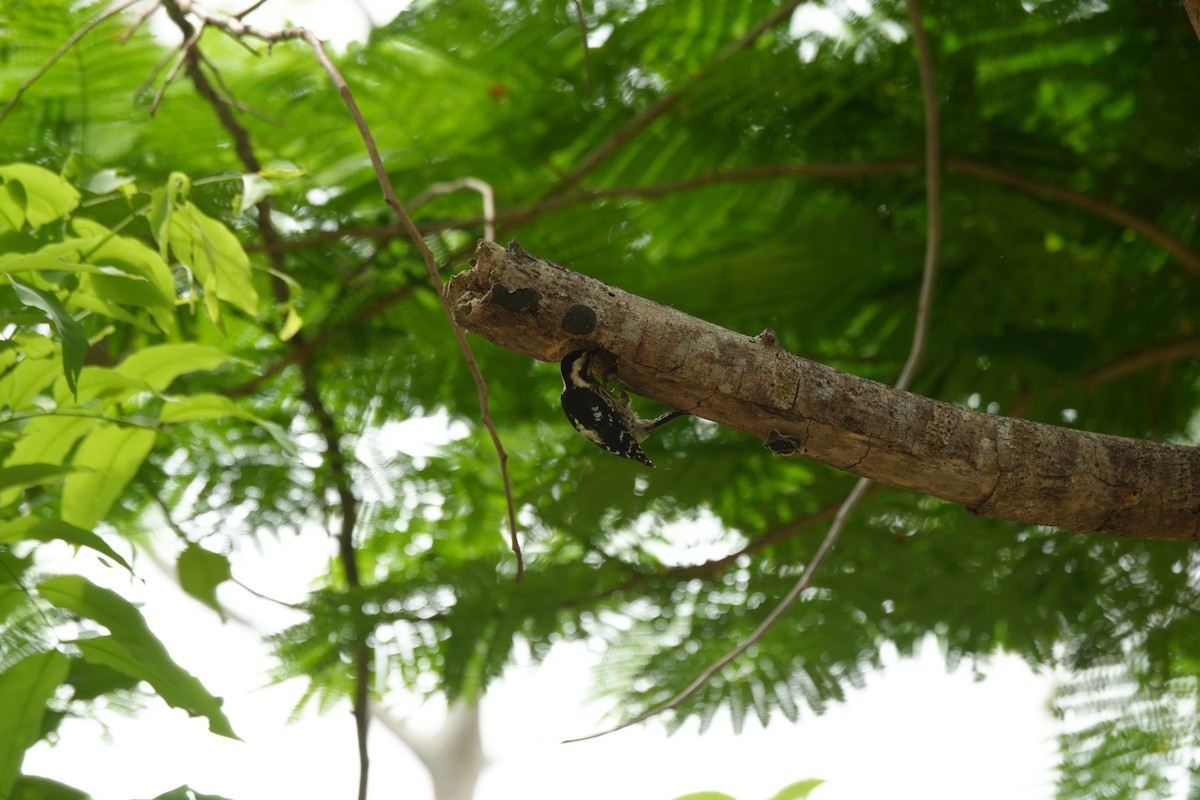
x=579 y=320
x=781 y=445
x=515 y=301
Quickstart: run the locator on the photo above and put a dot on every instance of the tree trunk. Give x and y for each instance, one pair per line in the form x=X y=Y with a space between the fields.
x=454 y=755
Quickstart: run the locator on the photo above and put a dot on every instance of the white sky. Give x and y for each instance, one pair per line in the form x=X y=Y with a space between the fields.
x=915 y=731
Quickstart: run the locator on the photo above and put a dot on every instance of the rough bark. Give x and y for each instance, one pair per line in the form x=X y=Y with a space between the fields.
x=993 y=466
x=1193 y=12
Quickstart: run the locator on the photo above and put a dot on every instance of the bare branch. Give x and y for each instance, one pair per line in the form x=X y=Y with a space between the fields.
x=475 y=184
x=994 y=466
x=514 y=217
x=142 y=16
x=185 y=50
x=249 y=10
x=933 y=197
x=389 y=194
x=1150 y=230
x=1159 y=355
x=768 y=622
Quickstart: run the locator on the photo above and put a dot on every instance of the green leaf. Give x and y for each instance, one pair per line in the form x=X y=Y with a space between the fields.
x=107 y=458
x=215 y=256
x=798 y=790
x=89 y=681
x=130 y=256
x=131 y=648
x=705 y=796
x=201 y=572
x=45 y=530
x=291 y=324
x=48 y=196
x=48 y=439
x=23 y=476
x=12 y=206
x=57 y=257
x=106 y=385
x=74 y=340
x=34 y=787
x=24 y=382
x=25 y=688
x=215 y=406
x=159 y=365
x=11 y=598
x=199 y=406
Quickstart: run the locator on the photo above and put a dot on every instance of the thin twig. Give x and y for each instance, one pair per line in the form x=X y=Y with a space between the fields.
x=667 y=102
x=1162 y=354
x=249 y=10
x=83 y=31
x=152 y=76
x=475 y=184
x=924 y=305
x=184 y=51
x=232 y=99
x=587 y=53
x=1150 y=230
x=435 y=277
x=519 y=216
x=144 y=15
x=831 y=537
x=715 y=566
x=933 y=197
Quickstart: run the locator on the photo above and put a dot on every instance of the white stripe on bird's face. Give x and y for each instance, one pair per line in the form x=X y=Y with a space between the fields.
x=579 y=374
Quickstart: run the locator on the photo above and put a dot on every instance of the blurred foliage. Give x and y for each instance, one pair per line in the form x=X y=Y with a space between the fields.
x=1036 y=296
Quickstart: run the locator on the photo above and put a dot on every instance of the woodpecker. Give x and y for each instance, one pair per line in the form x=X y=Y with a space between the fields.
x=604 y=419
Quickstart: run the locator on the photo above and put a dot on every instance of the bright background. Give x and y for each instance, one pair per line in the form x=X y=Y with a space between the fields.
x=915 y=731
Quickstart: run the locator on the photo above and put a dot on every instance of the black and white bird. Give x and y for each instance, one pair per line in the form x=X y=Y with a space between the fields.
x=604 y=419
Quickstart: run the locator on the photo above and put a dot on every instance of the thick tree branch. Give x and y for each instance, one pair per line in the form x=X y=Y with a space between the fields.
x=994 y=466
x=1193 y=12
